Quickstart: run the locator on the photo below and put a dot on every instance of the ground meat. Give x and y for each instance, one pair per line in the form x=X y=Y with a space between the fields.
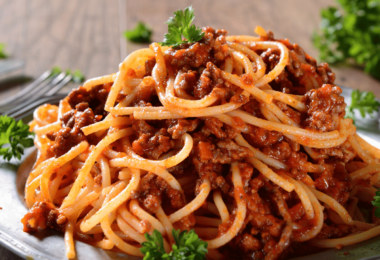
x=325 y=108
x=151 y=142
x=298 y=165
x=228 y=151
x=149 y=64
x=291 y=113
x=43 y=215
x=209 y=155
x=253 y=108
x=87 y=108
x=177 y=127
x=183 y=168
x=152 y=146
x=344 y=153
x=301 y=74
x=187 y=82
x=335 y=231
x=326 y=74
x=212 y=48
x=260 y=137
x=145 y=97
x=96 y=98
x=248 y=243
x=280 y=151
x=216 y=127
x=210 y=81
x=154 y=190
x=334 y=182
x=297 y=212
x=70 y=134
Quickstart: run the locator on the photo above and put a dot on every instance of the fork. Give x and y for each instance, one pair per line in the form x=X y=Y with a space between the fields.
x=45 y=86
x=42 y=90
x=23 y=111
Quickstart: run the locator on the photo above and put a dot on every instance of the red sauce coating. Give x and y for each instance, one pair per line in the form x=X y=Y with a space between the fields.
x=265 y=233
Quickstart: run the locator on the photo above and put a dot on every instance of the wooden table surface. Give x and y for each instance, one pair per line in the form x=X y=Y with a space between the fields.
x=87 y=35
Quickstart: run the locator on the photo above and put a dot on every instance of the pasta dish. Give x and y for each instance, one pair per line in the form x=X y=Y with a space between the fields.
x=241 y=138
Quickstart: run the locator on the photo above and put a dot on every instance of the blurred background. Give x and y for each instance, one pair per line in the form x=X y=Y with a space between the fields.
x=88 y=35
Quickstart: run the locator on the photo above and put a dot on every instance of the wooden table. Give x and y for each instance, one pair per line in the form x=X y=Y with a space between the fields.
x=87 y=35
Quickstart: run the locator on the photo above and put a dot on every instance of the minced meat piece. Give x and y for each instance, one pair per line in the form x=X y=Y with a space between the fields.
x=325 y=108
x=177 y=127
x=151 y=142
x=43 y=215
x=96 y=97
x=212 y=48
x=260 y=137
x=70 y=134
x=153 y=190
x=219 y=129
x=87 y=108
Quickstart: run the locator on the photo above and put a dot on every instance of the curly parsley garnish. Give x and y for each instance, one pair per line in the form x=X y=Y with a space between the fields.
x=140 y=34
x=351 y=33
x=16 y=135
x=187 y=246
x=3 y=54
x=364 y=101
x=180 y=25
x=376 y=203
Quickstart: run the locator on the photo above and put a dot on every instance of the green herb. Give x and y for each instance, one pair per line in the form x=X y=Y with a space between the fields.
x=140 y=34
x=3 y=54
x=187 y=246
x=364 y=101
x=16 y=135
x=351 y=34
x=376 y=203
x=55 y=71
x=77 y=75
x=180 y=25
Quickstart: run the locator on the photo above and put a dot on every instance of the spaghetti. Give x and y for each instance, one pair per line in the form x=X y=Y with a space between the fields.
x=242 y=139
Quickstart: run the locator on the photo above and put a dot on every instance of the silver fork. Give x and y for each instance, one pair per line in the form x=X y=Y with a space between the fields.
x=45 y=86
x=23 y=111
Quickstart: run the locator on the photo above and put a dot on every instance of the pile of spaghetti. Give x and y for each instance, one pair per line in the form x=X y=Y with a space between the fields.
x=241 y=138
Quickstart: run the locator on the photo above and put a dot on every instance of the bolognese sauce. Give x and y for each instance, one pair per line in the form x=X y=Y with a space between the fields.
x=274 y=216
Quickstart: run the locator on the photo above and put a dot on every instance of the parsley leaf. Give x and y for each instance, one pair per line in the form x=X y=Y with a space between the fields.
x=187 y=246
x=364 y=101
x=376 y=203
x=55 y=71
x=16 y=135
x=140 y=34
x=351 y=34
x=77 y=75
x=180 y=25
x=3 y=54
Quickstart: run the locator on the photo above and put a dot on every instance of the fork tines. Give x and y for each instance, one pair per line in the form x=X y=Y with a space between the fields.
x=42 y=88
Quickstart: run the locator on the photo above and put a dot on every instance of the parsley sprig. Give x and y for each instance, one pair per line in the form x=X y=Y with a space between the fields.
x=180 y=25
x=140 y=34
x=3 y=54
x=16 y=137
x=364 y=101
x=187 y=246
x=376 y=203
x=351 y=34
